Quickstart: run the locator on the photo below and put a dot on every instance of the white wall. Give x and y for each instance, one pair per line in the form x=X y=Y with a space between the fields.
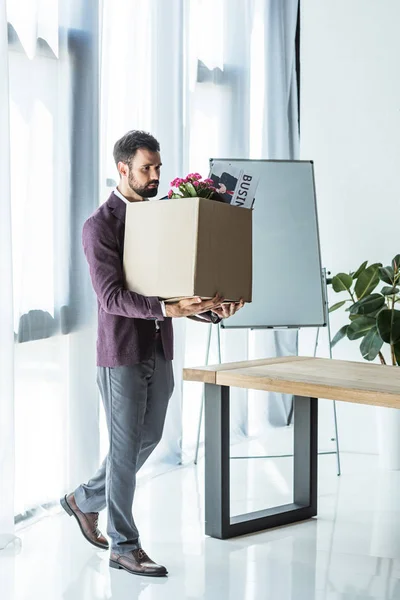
x=350 y=127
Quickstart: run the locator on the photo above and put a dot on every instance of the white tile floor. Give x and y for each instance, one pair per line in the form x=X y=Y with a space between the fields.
x=350 y=552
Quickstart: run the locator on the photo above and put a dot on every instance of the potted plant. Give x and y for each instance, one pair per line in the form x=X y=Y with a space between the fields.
x=373 y=316
x=375 y=320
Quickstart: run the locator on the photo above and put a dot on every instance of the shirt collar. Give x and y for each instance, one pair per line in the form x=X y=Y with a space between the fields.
x=118 y=193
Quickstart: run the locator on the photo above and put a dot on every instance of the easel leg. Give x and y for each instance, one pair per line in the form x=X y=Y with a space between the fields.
x=203 y=394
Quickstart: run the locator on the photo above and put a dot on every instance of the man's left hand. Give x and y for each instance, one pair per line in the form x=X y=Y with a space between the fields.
x=228 y=309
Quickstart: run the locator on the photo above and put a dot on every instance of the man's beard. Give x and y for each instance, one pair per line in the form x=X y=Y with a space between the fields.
x=143 y=191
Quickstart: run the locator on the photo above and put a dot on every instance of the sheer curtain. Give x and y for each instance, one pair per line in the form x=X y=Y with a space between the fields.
x=143 y=78
x=233 y=96
x=50 y=158
x=219 y=124
x=275 y=50
x=242 y=103
x=6 y=310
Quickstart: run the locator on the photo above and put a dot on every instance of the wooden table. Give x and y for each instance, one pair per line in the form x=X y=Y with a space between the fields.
x=307 y=379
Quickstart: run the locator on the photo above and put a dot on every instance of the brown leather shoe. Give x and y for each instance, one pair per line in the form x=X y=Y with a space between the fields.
x=138 y=563
x=87 y=522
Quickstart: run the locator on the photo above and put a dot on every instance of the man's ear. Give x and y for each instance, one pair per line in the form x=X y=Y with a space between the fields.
x=123 y=169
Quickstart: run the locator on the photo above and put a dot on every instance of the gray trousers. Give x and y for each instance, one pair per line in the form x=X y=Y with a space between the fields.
x=135 y=400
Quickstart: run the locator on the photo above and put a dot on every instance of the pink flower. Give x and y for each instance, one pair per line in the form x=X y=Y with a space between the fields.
x=177 y=182
x=196 y=184
x=209 y=181
x=170 y=193
x=193 y=177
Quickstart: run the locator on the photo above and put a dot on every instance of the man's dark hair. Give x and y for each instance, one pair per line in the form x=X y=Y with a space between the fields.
x=127 y=146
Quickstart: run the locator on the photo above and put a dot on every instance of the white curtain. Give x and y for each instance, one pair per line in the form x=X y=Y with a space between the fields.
x=242 y=103
x=6 y=309
x=278 y=139
x=230 y=93
x=143 y=79
x=200 y=100
x=49 y=171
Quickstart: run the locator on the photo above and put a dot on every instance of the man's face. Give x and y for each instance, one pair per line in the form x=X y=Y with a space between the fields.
x=143 y=175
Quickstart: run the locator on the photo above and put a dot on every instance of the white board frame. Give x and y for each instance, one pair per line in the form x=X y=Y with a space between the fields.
x=322 y=321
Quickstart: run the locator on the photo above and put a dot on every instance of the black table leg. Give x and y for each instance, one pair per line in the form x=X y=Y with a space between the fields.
x=219 y=523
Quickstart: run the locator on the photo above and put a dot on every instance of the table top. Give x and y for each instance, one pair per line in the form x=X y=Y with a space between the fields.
x=360 y=382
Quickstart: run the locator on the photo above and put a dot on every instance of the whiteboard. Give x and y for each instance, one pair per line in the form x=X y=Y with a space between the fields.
x=288 y=288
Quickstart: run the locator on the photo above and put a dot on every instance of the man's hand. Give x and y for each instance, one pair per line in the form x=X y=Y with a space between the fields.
x=228 y=309
x=193 y=306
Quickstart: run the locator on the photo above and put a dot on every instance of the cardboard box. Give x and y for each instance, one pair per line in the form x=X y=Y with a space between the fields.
x=188 y=247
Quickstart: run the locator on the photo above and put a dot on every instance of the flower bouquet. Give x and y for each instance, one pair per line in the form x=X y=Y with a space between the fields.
x=194 y=186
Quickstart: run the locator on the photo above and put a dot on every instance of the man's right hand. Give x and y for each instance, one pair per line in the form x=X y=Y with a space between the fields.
x=192 y=306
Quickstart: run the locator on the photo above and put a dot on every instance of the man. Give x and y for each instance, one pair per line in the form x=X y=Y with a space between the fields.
x=134 y=358
x=225 y=185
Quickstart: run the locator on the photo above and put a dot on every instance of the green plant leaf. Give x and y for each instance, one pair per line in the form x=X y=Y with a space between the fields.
x=368 y=305
x=191 y=190
x=176 y=195
x=387 y=275
x=339 y=336
x=367 y=281
x=396 y=263
x=354 y=317
x=342 y=282
x=371 y=344
x=360 y=270
x=360 y=327
x=337 y=305
x=389 y=325
x=389 y=291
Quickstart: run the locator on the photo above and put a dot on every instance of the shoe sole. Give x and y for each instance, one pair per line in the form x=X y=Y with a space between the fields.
x=116 y=565
x=71 y=513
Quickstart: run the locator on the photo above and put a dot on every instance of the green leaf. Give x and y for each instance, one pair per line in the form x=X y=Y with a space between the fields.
x=368 y=305
x=360 y=327
x=337 y=305
x=371 y=344
x=396 y=263
x=389 y=291
x=176 y=195
x=387 y=274
x=191 y=189
x=360 y=270
x=342 y=282
x=367 y=281
x=389 y=326
x=339 y=336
